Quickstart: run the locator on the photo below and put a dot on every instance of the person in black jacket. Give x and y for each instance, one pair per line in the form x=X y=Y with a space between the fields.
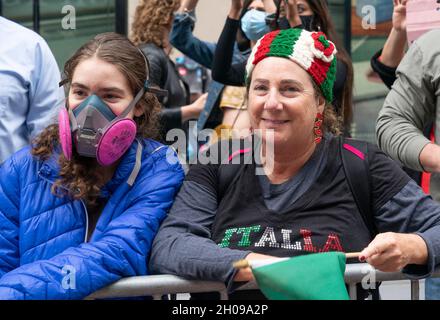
x=151 y=27
x=309 y=15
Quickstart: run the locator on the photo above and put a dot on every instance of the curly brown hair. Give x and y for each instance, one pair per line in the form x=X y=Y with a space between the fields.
x=153 y=19
x=79 y=177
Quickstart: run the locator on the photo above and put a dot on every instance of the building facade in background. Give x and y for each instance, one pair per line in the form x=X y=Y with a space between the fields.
x=97 y=16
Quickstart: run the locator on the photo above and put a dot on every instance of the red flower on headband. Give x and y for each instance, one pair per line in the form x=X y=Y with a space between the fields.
x=322 y=44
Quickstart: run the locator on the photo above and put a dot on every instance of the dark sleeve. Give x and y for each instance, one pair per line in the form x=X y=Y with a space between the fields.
x=183 y=245
x=170 y=118
x=387 y=177
x=387 y=74
x=401 y=206
x=183 y=39
x=223 y=70
x=284 y=24
x=412 y=211
x=158 y=68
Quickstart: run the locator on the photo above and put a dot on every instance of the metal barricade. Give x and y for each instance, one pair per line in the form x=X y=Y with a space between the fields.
x=158 y=286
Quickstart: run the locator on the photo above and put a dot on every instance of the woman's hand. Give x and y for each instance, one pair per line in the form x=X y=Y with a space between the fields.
x=193 y=110
x=399 y=15
x=269 y=6
x=245 y=274
x=394 y=48
x=187 y=5
x=391 y=252
x=235 y=10
x=292 y=14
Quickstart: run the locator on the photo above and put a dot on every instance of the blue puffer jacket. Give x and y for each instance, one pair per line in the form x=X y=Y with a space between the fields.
x=43 y=252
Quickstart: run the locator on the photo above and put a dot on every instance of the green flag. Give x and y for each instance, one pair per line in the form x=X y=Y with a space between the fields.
x=317 y=276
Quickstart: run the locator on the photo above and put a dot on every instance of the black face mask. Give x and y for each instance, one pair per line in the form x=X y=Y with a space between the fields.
x=307 y=22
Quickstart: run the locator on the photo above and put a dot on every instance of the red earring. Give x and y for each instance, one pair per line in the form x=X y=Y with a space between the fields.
x=317 y=128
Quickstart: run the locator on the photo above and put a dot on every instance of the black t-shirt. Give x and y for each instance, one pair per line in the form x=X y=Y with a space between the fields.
x=324 y=218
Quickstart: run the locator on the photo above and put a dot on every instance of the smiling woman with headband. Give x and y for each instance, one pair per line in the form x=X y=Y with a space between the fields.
x=91 y=191
x=314 y=192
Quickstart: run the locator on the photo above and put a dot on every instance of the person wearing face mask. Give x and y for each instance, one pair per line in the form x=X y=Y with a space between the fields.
x=223 y=104
x=308 y=15
x=253 y=23
x=151 y=28
x=87 y=197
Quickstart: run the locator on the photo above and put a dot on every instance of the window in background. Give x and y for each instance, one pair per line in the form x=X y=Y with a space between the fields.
x=338 y=11
x=366 y=40
x=45 y=16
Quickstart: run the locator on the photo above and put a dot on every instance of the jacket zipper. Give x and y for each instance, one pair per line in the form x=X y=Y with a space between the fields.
x=87 y=221
x=82 y=202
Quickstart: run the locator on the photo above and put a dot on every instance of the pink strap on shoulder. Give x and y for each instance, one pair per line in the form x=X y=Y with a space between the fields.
x=236 y=153
x=352 y=149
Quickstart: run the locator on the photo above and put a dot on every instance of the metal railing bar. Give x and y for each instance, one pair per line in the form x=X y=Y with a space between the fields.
x=159 y=285
x=352 y=291
x=415 y=290
x=156 y=285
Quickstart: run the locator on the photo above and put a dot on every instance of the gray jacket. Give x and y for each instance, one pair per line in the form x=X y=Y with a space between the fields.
x=413 y=101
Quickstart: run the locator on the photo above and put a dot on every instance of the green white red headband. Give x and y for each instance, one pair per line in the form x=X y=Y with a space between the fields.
x=310 y=50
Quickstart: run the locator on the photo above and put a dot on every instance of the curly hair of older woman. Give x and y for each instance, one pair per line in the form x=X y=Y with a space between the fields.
x=152 y=19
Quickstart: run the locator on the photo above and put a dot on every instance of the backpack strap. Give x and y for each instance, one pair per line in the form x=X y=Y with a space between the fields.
x=354 y=156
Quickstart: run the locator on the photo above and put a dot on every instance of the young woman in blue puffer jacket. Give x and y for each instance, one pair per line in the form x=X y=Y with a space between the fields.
x=80 y=207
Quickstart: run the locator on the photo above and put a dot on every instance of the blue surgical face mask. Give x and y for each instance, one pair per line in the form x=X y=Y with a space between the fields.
x=253 y=24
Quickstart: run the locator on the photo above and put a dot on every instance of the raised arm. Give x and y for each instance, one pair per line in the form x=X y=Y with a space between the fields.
x=386 y=60
x=269 y=6
x=292 y=13
x=223 y=70
x=409 y=107
x=394 y=48
x=187 y=5
x=183 y=39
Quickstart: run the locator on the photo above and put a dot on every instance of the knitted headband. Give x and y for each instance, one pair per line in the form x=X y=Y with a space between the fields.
x=310 y=50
